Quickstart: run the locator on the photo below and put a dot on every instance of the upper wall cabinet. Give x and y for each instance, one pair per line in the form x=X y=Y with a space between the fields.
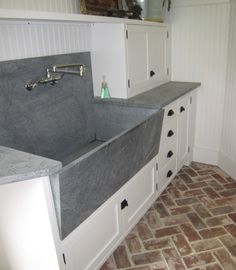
x=134 y=58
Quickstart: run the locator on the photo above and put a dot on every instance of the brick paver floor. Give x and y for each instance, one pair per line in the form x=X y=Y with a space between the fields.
x=192 y=225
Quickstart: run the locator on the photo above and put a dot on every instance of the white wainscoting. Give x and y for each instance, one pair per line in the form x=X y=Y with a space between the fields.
x=23 y=39
x=227 y=159
x=65 y=6
x=199 y=53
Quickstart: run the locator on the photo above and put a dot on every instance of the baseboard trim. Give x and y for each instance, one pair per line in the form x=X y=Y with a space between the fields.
x=205 y=155
x=227 y=164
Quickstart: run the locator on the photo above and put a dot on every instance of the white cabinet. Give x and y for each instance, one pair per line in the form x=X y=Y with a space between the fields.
x=134 y=58
x=90 y=244
x=139 y=193
x=177 y=138
x=183 y=130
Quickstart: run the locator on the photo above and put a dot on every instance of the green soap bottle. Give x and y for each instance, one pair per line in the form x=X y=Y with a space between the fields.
x=104 y=89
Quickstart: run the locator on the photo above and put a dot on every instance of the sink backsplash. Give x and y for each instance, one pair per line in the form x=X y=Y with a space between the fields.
x=50 y=120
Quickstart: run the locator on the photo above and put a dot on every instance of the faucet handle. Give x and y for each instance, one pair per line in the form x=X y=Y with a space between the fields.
x=30 y=85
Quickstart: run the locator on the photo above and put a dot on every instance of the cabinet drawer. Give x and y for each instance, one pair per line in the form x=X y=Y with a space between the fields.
x=166 y=174
x=169 y=132
x=167 y=153
x=171 y=111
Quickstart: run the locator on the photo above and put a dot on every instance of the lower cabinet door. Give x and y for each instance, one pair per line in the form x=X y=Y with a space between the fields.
x=138 y=195
x=166 y=174
x=87 y=247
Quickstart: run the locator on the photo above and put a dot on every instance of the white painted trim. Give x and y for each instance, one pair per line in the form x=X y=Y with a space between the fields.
x=187 y=3
x=11 y=14
x=205 y=155
x=227 y=164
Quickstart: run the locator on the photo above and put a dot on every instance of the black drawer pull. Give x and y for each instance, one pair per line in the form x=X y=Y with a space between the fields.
x=182 y=109
x=124 y=204
x=170 y=113
x=170 y=133
x=170 y=154
x=152 y=73
x=169 y=174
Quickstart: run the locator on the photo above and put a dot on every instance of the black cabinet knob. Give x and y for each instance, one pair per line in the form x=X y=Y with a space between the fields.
x=170 y=113
x=182 y=109
x=169 y=174
x=170 y=133
x=170 y=154
x=124 y=204
x=152 y=73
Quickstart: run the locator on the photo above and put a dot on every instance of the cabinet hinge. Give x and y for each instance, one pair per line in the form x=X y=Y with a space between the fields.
x=64 y=258
x=156 y=186
x=191 y=100
x=167 y=34
x=129 y=83
x=127 y=34
x=156 y=166
x=188 y=149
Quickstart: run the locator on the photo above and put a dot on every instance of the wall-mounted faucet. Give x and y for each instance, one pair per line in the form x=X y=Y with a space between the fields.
x=53 y=75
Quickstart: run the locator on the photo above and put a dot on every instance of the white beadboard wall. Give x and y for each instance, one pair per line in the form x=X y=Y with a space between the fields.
x=23 y=39
x=65 y=6
x=227 y=158
x=199 y=53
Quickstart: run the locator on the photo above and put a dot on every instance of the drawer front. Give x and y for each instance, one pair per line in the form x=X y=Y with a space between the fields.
x=171 y=111
x=166 y=174
x=167 y=153
x=169 y=132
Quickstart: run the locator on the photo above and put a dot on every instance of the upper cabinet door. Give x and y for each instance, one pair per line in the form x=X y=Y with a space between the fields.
x=157 y=54
x=137 y=58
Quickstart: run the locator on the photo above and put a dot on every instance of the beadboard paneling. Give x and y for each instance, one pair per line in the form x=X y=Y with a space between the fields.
x=199 y=53
x=24 y=39
x=228 y=140
x=65 y=6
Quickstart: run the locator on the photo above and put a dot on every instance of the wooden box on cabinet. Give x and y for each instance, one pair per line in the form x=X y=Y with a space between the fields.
x=134 y=58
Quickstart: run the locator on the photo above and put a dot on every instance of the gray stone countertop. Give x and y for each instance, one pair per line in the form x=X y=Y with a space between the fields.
x=157 y=97
x=18 y=166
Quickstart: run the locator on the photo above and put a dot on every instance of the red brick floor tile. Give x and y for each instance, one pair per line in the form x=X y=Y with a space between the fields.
x=121 y=257
x=197 y=185
x=152 y=219
x=233 y=217
x=173 y=260
x=205 y=245
x=190 y=232
x=187 y=179
x=133 y=243
x=198 y=259
x=167 y=201
x=201 y=211
x=225 y=259
x=222 y=210
x=219 y=178
x=174 y=193
x=180 y=210
x=214 y=266
x=228 y=193
x=211 y=193
x=146 y=258
x=218 y=221
x=190 y=172
x=141 y=268
x=231 y=228
x=180 y=185
x=157 y=244
x=159 y=266
x=230 y=185
x=213 y=232
x=181 y=244
x=174 y=220
x=167 y=231
x=226 y=201
x=215 y=185
x=230 y=243
x=207 y=202
x=206 y=172
x=144 y=231
x=187 y=201
x=196 y=221
x=193 y=192
x=109 y=264
x=161 y=210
